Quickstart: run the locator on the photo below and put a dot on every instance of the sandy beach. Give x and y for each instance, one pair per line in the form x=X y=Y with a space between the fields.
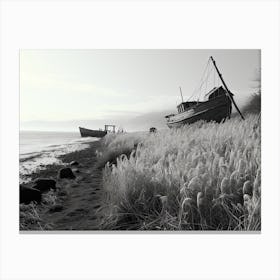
x=75 y=205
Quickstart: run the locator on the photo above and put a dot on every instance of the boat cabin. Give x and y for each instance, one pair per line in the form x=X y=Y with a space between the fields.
x=216 y=92
x=186 y=105
x=110 y=128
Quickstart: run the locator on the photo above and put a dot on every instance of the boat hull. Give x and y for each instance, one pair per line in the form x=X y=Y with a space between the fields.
x=92 y=133
x=213 y=110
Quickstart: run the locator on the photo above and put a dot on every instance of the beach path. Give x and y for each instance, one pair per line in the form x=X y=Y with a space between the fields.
x=80 y=203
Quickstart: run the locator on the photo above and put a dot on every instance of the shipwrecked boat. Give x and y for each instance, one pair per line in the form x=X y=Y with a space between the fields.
x=217 y=107
x=85 y=132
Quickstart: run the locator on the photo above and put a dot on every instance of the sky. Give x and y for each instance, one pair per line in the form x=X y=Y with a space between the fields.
x=63 y=89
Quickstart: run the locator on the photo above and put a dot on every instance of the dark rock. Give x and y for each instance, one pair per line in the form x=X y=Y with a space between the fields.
x=74 y=163
x=66 y=173
x=26 y=195
x=44 y=185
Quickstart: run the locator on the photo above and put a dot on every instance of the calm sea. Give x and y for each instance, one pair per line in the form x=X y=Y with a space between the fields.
x=39 y=148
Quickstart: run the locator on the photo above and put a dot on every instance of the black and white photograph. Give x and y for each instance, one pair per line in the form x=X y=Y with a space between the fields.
x=140 y=140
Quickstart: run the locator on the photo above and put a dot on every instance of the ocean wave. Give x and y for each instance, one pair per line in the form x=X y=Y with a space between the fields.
x=33 y=161
x=29 y=156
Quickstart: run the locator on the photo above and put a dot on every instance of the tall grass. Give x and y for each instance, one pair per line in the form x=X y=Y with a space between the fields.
x=115 y=145
x=204 y=176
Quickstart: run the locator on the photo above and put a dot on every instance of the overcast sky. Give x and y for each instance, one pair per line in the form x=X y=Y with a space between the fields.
x=73 y=85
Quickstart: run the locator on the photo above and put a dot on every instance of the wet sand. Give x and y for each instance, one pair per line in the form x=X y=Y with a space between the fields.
x=77 y=203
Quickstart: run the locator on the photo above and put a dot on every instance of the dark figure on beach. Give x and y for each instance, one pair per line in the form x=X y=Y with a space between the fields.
x=44 y=185
x=66 y=173
x=26 y=195
x=153 y=130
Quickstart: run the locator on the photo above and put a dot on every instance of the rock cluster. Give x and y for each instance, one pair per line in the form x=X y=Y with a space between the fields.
x=40 y=186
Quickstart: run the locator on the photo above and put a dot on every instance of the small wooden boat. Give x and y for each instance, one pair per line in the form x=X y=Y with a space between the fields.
x=217 y=108
x=92 y=133
x=85 y=132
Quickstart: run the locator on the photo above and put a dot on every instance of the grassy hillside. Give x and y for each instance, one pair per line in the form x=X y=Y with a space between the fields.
x=202 y=176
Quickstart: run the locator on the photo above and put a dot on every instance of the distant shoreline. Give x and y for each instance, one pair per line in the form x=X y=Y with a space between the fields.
x=55 y=131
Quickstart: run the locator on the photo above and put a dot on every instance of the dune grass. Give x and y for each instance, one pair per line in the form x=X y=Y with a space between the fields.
x=115 y=145
x=204 y=176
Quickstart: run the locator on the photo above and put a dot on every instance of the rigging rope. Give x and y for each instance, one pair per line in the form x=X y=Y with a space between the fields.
x=214 y=79
x=206 y=79
x=204 y=82
x=201 y=82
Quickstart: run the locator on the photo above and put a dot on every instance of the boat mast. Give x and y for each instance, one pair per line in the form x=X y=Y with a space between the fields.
x=229 y=94
x=181 y=94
